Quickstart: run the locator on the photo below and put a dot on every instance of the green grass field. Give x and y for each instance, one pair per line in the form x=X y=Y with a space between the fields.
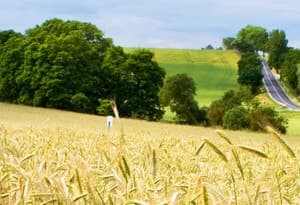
x=56 y=157
x=213 y=71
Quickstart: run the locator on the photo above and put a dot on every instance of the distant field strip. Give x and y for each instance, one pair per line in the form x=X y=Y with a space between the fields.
x=182 y=56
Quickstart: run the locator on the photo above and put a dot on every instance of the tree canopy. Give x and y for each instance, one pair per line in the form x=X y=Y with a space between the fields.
x=178 y=92
x=249 y=71
x=276 y=47
x=71 y=65
x=254 y=36
x=289 y=69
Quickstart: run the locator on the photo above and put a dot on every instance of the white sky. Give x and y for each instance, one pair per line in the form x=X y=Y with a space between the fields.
x=160 y=23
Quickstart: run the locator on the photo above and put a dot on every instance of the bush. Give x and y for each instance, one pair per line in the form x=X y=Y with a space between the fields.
x=105 y=107
x=81 y=102
x=266 y=116
x=230 y=99
x=236 y=118
x=178 y=92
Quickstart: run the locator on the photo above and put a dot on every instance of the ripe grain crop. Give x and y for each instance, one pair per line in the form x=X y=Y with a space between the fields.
x=71 y=160
x=65 y=167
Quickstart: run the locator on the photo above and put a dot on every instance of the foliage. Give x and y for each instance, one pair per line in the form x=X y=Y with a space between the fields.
x=239 y=111
x=236 y=118
x=81 y=103
x=298 y=76
x=230 y=99
x=11 y=64
x=288 y=70
x=261 y=116
x=250 y=71
x=105 y=107
x=209 y=47
x=276 y=47
x=178 y=92
x=144 y=80
x=228 y=43
x=70 y=65
x=253 y=36
x=6 y=35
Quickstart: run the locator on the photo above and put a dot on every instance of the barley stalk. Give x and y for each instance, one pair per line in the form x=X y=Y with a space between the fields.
x=154 y=164
x=205 y=195
x=253 y=151
x=78 y=181
x=234 y=189
x=238 y=161
x=200 y=148
x=135 y=202
x=216 y=150
x=79 y=197
x=26 y=158
x=126 y=166
x=123 y=172
x=257 y=193
x=52 y=201
x=282 y=142
x=223 y=136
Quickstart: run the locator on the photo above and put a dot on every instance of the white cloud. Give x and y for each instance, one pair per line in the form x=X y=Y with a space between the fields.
x=160 y=23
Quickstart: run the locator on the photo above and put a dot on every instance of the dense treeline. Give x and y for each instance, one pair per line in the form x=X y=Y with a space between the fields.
x=239 y=109
x=290 y=70
x=285 y=60
x=70 y=65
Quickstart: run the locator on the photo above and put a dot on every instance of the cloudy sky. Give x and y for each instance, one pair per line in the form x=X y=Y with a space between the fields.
x=160 y=23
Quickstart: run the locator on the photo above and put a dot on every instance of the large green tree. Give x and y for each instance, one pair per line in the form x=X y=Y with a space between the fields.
x=62 y=59
x=276 y=47
x=254 y=36
x=298 y=75
x=289 y=68
x=134 y=82
x=249 y=71
x=144 y=78
x=228 y=43
x=70 y=65
x=6 y=35
x=178 y=92
x=11 y=64
x=249 y=39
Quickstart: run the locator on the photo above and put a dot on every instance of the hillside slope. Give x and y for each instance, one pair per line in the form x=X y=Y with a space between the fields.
x=214 y=71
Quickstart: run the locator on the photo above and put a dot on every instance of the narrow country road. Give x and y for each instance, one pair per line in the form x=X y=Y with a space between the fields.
x=274 y=90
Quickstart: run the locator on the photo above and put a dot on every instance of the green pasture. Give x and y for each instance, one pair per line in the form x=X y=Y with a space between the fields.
x=293 y=122
x=211 y=80
x=214 y=71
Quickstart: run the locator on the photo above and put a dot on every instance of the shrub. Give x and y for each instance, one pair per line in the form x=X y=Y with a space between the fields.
x=236 y=118
x=105 y=107
x=230 y=99
x=263 y=116
x=81 y=102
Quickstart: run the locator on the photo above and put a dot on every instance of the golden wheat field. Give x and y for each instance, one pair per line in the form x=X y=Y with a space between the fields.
x=55 y=157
